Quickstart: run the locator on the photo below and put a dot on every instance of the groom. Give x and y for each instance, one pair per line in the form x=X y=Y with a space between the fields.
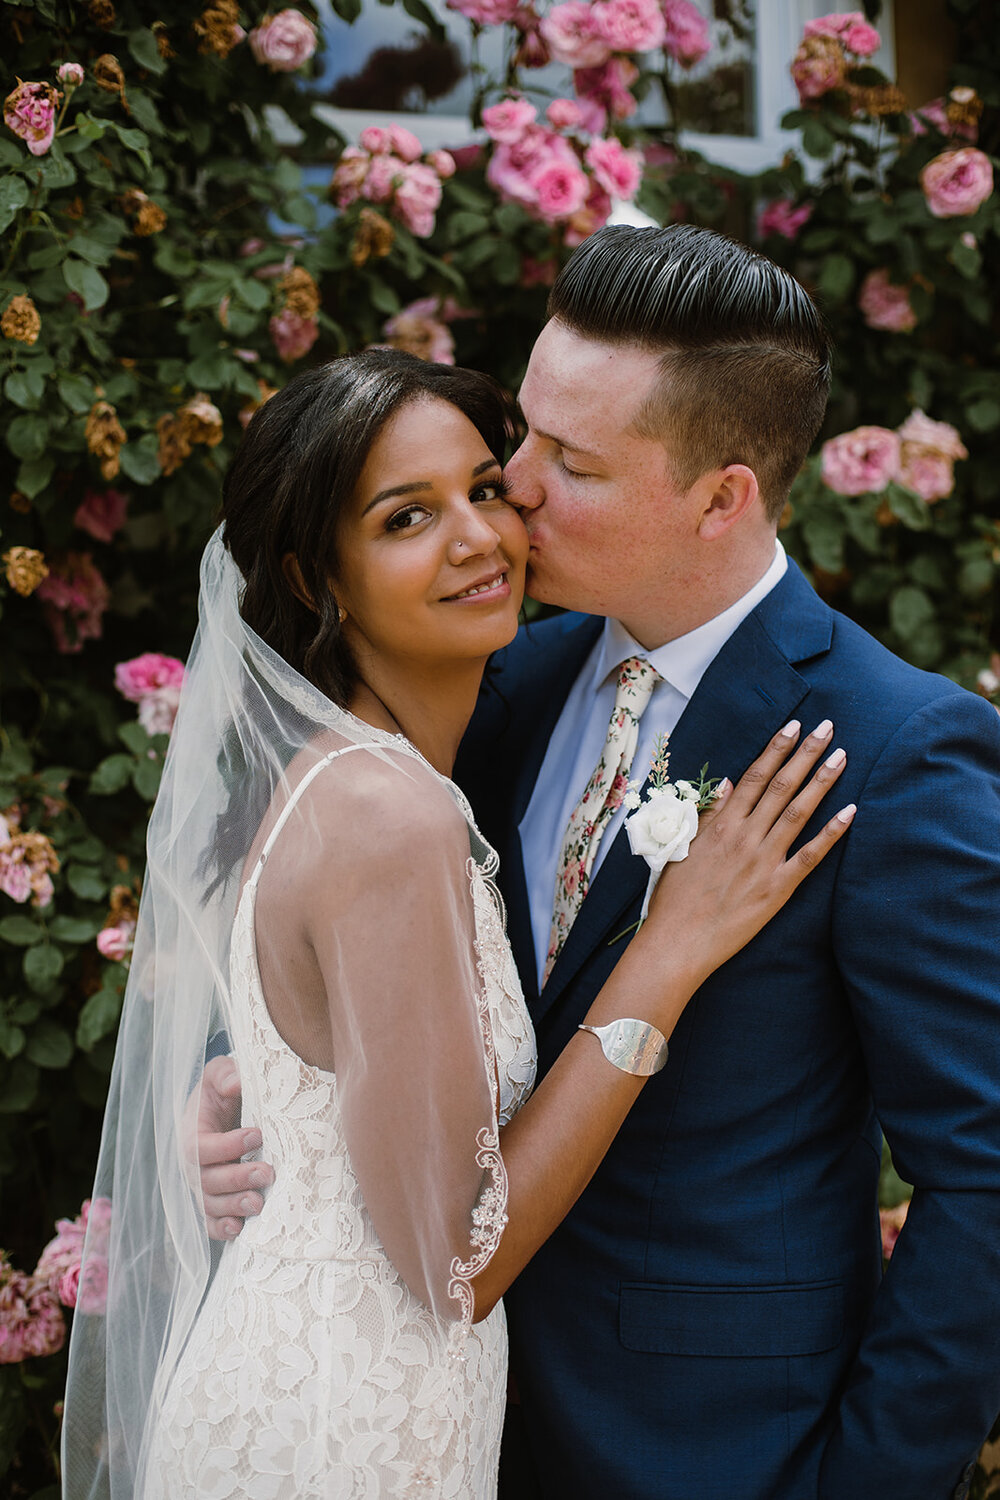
x=709 y=1321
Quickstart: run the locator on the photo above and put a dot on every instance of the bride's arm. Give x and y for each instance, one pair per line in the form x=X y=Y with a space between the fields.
x=737 y=875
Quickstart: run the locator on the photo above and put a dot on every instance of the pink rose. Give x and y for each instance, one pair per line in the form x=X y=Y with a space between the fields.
x=892 y=1221
x=30 y=112
x=441 y=162
x=564 y=114
x=537 y=272
x=71 y=74
x=251 y=246
x=283 y=42
x=688 y=37
x=101 y=513
x=372 y=139
x=885 y=305
x=486 y=12
x=31 y=1320
x=511 y=166
x=404 y=143
x=158 y=711
x=15 y=878
x=76 y=597
x=941 y=436
x=608 y=87
x=572 y=37
x=92 y=1291
x=957 y=182
x=630 y=25
x=68 y=1285
x=782 y=218
x=349 y=176
x=419 y=332
x=618 y=171
x=507 y=121
x=862 y=461
x=935 y=113
x=115 y=942
x=292 y=335
x=927 y=456
x=818 y=67
x=849 y=28
x=381 y=178
x=417 y=198
x=145 y=674
x=561 y=188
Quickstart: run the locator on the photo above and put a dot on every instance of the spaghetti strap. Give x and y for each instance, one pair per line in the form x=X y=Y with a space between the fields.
x=307 y=779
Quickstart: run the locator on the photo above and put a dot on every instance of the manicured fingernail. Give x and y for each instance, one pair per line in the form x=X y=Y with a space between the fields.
x=790 y=730
x=836 y=759
x=259 y=1177
x=823 y=731
x=231 y=1230
x=847 y=813
x=247 y=1206
x=724 y=786
x=252 y=1140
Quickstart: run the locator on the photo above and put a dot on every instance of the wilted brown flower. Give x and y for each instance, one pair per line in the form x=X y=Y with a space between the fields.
x=266 y=391
x=20 y=503
x=108 y=76
x=885 y=516
x=75 y=209
x=219 y=28
x=105 y=437
x=163 y=46
x=882 y=99
x=150 y=218
x=20 y=321
x=102 y=13
x=26 y=568
x=963 y=108
x=197 y=421
x=300 y=292
x=373 y=239
x=124 y=906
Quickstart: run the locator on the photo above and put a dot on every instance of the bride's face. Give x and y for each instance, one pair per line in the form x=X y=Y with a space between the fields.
x=431 y=554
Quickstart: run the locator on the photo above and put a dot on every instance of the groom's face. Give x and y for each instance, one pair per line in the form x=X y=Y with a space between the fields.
x=609 y=530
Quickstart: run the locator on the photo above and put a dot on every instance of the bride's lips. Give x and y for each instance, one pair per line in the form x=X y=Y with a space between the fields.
x=484 y=590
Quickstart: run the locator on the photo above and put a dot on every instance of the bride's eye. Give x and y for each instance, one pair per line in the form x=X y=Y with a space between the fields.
x=407 y=518
x=492 y=490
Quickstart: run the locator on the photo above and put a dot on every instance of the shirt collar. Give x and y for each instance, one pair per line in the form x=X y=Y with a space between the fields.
x=684 y=661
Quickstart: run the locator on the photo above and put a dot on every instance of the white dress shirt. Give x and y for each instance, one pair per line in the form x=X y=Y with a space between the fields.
x=581 y=729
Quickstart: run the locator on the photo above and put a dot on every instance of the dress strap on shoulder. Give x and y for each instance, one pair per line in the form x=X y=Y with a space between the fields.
x=286 y=811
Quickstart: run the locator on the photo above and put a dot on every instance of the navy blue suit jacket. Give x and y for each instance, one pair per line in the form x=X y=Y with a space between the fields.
x=710 y=1319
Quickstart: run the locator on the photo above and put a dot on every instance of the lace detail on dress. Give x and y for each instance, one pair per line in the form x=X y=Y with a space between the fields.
x=312 y=1371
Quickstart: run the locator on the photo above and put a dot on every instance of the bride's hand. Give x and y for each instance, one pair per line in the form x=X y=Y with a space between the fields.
x=738 y=873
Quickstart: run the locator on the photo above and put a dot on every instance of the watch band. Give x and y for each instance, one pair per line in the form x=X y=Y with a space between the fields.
x=631 y=1045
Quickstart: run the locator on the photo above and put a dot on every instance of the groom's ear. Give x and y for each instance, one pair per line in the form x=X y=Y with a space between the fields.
x=730 y=493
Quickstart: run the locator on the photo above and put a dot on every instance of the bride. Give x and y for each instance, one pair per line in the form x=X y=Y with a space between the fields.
x=318 y=889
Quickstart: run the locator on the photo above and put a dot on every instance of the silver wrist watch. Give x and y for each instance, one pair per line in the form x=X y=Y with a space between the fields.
x=634 y=1046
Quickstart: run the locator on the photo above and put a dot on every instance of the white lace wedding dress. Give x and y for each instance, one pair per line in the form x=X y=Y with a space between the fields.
x=312 y=1372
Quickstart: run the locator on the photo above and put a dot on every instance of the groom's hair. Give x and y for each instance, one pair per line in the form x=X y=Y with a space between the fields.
x=744 y=357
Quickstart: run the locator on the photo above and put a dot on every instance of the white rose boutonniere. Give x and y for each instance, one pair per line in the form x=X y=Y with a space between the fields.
x=661 y=828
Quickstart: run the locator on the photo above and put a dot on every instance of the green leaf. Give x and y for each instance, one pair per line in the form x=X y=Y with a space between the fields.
x=146 y=778
x=74 y=929
x=347 y=10
x=50 y=1045
x=824 y=537
x=25 y=388
x=27 y=436
x=110 y=775
x=909 y=610
x=383 y=298
x=209 y=372
x=254 y=294
x=134 y=736
x=87 y=247
x=86 y=882
x=140 y=460
x=817 y=140
x=836 y=276
x=984 y=415
x=21 y=931
x=423 y=13
x=90 y=127
x=142 y=45
x=466 y=223
x=98 y=1018
x=34 y=474
x=87 y=282
x=12 y=1038
x=18 y=1086
x=76 y=392
x=908 y=507
x=42 y=966
x=134 y=140
x=56 y=171
x=13 y=196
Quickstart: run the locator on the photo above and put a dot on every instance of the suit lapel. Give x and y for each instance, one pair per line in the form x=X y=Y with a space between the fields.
x=747 y=693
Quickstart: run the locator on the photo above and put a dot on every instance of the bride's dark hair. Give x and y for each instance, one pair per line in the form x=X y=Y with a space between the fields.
x=298 y=467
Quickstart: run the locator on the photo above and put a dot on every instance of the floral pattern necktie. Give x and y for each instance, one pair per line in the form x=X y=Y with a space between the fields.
x=601 y=799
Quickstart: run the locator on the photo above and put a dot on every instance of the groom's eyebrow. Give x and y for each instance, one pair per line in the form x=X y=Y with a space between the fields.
x=418 y=486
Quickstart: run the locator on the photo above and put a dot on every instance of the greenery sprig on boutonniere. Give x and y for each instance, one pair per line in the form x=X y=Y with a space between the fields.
x=661 y=827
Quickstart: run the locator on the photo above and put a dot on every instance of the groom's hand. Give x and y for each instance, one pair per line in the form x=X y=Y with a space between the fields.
x=230 y=1188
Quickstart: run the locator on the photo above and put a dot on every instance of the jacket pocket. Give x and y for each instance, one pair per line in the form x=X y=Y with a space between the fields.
x=731 y=1322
